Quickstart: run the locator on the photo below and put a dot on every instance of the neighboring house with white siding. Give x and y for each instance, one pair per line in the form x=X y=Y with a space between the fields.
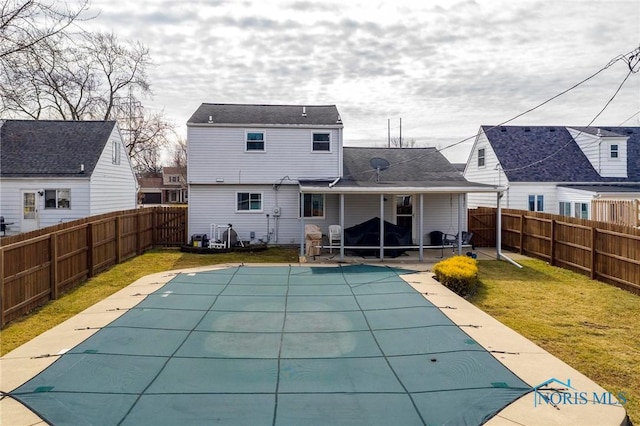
x=271 y=169
x=57 y=171
x=556 y=169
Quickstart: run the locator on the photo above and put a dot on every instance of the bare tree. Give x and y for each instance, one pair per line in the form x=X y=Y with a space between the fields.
x=74 y=81
x=179 y=159
x=26 y=23
x=397 y=142
x=96 y=77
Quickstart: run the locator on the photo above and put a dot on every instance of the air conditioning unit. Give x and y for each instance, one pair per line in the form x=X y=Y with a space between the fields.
x=276 y=211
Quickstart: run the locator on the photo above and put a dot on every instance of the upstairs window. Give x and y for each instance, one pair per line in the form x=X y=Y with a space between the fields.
x=249 y=202
x=255 y=141
x=481 y=157
x=536 y=203
x=614 y=151
x=322 y=142
x=57 y=199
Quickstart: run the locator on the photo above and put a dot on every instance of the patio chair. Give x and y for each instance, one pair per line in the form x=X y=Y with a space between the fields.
x=334 y=235
x=452 y=240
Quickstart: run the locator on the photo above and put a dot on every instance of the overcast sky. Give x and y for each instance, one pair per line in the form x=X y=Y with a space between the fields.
x=445 y=67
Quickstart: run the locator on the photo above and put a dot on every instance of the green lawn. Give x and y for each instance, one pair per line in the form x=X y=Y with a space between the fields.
x=589 y=325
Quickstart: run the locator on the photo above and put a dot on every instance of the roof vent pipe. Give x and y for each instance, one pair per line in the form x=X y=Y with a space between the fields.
x=304 y=111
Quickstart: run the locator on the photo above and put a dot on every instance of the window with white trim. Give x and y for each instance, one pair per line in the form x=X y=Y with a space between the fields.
x=313 y=206
x=249 y=201
x=614 y=151
x=57 y=198
x=321 y=142
x=481 y=157
x=565 y=208
x=581 y=210
x=536 y=203
x=255 y=141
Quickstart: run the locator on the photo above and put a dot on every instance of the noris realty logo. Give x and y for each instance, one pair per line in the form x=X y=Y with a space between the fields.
x=555 y=392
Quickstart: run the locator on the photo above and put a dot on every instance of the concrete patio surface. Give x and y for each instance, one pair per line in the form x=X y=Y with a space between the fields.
x=525 y=359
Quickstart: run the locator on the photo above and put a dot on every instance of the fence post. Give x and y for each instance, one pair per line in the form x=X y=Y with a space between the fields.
x=118 y=242
x=154 y=222
x=594 y=232
x=552 y=260
x=53 y=269
x=138 y=234
x=521 y=244
x=89 y=250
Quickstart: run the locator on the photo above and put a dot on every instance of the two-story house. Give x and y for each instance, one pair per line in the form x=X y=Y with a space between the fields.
x=271 y=169
x=556 y=169
x=57 y=171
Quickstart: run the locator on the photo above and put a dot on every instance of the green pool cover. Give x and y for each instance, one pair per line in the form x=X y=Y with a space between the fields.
x=350 y=345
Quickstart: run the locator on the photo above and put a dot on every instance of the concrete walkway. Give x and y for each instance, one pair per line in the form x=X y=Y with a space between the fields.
x=530 y=362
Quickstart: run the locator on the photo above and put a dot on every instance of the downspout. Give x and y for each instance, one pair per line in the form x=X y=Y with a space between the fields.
x=499 y=234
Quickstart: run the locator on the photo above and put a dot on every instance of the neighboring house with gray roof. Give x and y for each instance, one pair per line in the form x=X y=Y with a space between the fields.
x=57 y=171
x=271 y=169
x=556 y=169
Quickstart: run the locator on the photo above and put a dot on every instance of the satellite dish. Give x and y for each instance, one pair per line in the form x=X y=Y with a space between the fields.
x=379 y=163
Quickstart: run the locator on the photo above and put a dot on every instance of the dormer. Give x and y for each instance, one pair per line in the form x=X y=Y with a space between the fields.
x=605 y=150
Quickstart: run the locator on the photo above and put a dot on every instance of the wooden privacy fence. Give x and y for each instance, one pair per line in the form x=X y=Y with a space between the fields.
x=36 y=267
x=621 y=212
x=603 y=251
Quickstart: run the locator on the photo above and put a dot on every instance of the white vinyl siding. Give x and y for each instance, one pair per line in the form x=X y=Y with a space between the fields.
x=598 y=150
x=12 y=200
x=113 y=186
x=490 y=173
x=217 y=155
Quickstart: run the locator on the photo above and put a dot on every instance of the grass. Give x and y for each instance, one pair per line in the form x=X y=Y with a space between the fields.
x=98 y=288
x=589 y=325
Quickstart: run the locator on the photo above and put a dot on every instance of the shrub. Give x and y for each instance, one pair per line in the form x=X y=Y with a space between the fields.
x=458 y=273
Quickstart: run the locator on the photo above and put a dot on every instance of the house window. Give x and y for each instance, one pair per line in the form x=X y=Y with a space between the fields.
x=481 y=157
x=255 y=141
x=536 y=203
x=322 y=142
x=614 y=151
x=565 y=208
x=581 y=210
x=115 y=152
x=57 y=199
x=313 y=205
x=249 y=202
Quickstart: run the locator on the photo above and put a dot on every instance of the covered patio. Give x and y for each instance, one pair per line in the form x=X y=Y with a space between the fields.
x=457 y=191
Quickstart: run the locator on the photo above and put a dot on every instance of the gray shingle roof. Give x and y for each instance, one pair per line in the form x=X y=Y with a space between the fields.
x=322 y=115
x=549 y=153
x=405 y=165
x=43 y=148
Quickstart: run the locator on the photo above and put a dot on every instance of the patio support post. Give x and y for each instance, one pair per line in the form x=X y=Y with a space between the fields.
x=498 y=225
x=421 y=229
x=381 y=227
x=341 y=227
x=460 y=224
x=301 y=224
